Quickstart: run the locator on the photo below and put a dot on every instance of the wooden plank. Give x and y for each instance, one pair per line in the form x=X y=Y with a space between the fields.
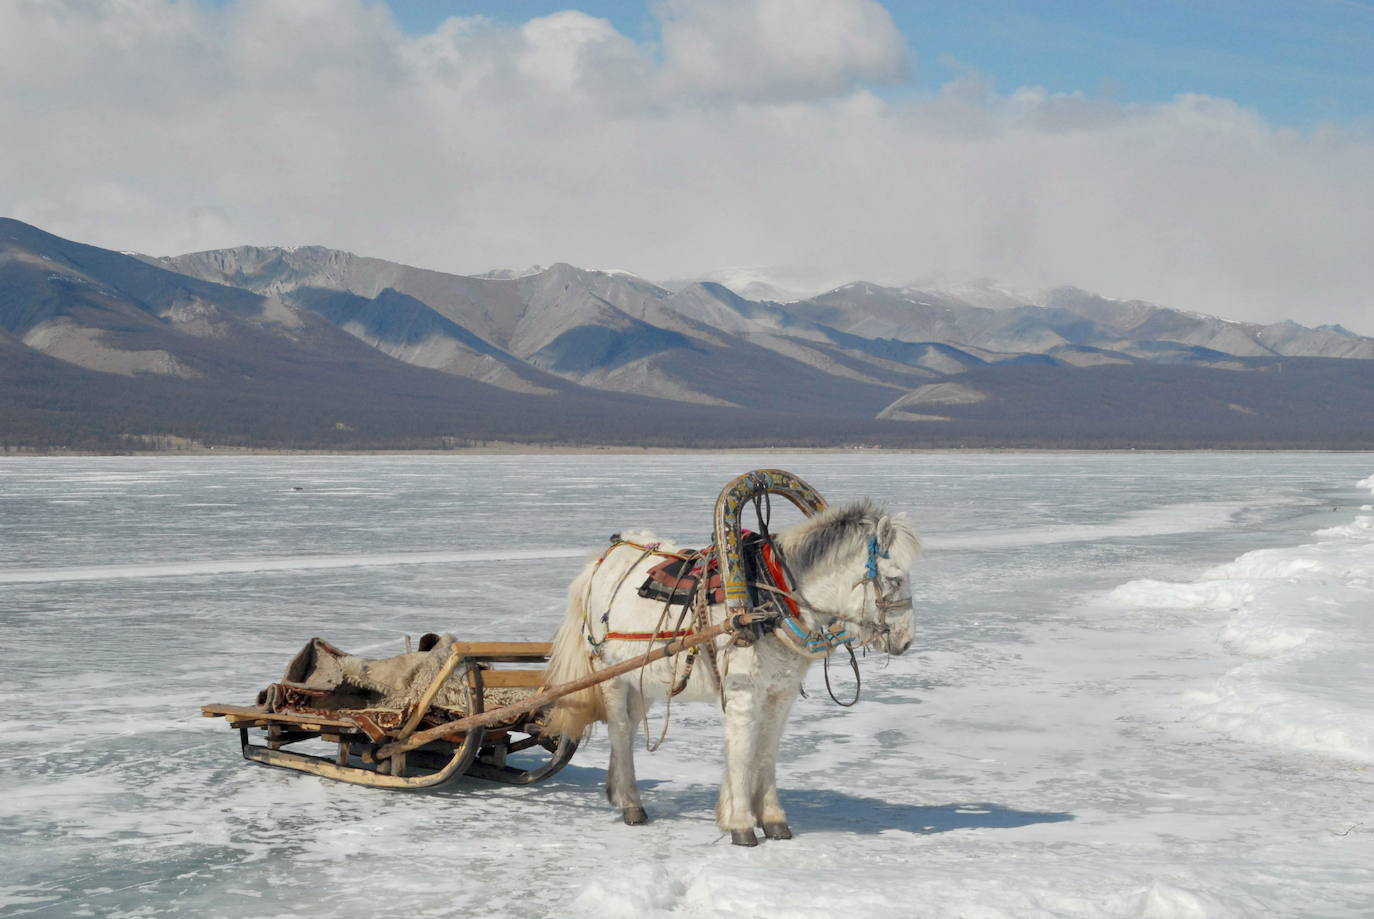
x=265 y=722
x=503 y=650
x=505 y=679
x=243 y=712
x=214 y=710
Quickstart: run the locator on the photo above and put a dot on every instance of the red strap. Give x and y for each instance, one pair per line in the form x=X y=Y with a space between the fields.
x=646 y=636
x=775 y=572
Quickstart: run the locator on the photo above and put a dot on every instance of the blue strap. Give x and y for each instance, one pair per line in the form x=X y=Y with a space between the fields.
x=873 y=556
x=823 y=641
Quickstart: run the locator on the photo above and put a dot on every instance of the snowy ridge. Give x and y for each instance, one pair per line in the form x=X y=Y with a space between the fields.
x=1300 y=617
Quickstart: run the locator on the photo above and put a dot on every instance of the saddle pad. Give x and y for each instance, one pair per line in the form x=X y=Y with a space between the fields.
x=675 y=580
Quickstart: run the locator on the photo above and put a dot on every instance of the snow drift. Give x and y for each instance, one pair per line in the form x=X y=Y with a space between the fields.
x=1301 y=619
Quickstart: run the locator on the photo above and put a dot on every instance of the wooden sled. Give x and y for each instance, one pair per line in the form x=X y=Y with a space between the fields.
x=481 y=751
x=393 y=749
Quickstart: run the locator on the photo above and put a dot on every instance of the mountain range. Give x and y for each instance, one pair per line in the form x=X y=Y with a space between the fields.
x=317 y=348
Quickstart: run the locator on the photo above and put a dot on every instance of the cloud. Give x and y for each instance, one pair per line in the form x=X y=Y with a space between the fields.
x=769 y=50
x=750 y=133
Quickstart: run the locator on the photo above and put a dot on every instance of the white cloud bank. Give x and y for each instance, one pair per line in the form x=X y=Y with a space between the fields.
x=747 y=134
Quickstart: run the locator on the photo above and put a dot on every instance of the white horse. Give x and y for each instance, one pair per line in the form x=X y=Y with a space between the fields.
x=849 y=566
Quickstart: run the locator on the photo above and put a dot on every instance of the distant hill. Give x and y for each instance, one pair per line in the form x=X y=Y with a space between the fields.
x=317 y=348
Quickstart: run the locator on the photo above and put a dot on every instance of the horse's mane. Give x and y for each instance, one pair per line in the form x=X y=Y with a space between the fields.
x=843 y=531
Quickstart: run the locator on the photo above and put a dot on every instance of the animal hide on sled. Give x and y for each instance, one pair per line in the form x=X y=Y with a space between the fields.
x=333 y=679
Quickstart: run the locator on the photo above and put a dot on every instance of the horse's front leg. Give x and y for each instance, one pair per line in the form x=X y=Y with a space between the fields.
x=773 y=713
x=735 y=809
x=623 y=710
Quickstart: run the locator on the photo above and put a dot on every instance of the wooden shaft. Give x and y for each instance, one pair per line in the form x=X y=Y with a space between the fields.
x=539 y=700
x=445 y=671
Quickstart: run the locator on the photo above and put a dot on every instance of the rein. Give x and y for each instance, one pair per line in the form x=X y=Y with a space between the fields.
x=858 y=680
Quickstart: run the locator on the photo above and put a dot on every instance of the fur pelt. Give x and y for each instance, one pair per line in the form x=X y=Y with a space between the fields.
x=389 y=682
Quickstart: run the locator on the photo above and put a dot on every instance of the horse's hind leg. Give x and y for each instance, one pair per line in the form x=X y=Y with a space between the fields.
x=772 y=719
x=623 y=709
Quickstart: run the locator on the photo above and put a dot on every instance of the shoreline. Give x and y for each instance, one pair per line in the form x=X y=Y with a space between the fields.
x=516 y=449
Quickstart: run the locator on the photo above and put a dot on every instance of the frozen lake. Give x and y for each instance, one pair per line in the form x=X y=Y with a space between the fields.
x=1143 y=685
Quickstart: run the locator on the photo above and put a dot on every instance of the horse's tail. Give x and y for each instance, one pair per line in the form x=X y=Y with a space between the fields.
x=571 y=659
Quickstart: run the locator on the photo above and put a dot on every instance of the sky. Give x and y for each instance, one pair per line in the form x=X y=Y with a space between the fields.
x=1216 y=157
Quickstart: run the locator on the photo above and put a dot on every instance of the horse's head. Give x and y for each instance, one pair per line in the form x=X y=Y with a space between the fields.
x=854 y=561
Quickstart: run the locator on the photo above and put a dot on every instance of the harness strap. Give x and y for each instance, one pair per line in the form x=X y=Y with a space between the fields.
x=650 y=549
x=653 y=548
x=701 y=607
x=821 y=641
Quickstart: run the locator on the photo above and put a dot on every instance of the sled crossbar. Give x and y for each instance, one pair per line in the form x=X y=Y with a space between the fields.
x=253 y=713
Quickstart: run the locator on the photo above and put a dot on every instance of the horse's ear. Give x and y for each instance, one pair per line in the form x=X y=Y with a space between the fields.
x=885 y=532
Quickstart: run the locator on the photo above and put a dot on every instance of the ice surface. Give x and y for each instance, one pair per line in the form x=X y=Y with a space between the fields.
x=285 y=563
x=1142 y=688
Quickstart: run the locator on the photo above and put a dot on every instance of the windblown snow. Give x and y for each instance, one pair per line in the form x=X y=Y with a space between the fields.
x=1142 y=687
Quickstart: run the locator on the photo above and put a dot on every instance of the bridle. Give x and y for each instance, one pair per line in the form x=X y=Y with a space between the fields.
x=884 y=601
x=822 y=639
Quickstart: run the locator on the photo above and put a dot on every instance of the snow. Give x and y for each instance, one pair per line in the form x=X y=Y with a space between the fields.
x=1142 y=688
x=778 y=284
x=1302 y=616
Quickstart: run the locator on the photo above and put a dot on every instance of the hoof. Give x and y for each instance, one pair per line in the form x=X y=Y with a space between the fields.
x=634 y=816
x=779 y=830
x=743 y=838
